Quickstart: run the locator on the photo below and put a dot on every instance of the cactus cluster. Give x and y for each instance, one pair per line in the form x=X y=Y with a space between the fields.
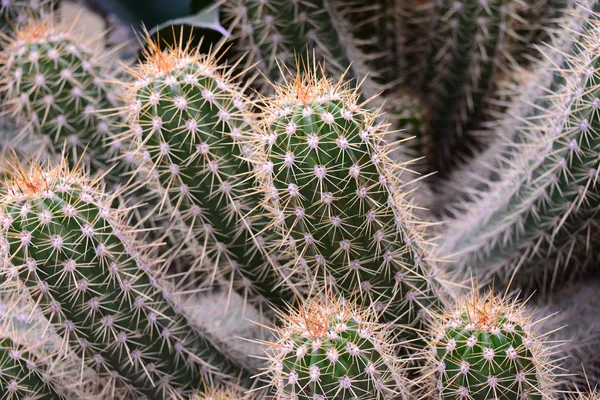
x=149 y=209
x=331 y=350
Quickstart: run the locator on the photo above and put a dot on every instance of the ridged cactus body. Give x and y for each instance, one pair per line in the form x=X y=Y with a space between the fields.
x=92 y=282
x=485 y=349
x=190 y=119
x=540 y=215
x=23 y=375
x=54 y=85
x=276 y=33
x=330 y=350
x=335 y=199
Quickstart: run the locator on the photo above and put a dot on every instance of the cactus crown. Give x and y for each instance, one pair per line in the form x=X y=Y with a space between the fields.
x=488 y=348
x=330 y=349
x=55 y=84
x=336 y=200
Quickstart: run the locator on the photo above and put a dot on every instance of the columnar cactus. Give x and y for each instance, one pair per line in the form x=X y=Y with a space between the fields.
x=54 y=83
x=329 y=350
x=335 y=200
x=94 y=284
x=486 y=348
x=190 y=118
x=544 y=205
x=23 y=375
x=469 y=44
x=530 y=91
x=279 y=31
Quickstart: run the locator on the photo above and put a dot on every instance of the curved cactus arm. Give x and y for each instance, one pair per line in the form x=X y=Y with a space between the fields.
x=532 y=91
x=94 y=285
x=544 y=205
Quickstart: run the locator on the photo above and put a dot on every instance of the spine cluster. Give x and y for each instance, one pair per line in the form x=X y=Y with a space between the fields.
x=336 y=202
x=95 y=286
x=329 y=349
x=485 y=348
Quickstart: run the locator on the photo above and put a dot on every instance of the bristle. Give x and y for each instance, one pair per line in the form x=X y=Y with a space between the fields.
x=335 y=199
x=93 y=282
x=330 y=349
x=486 y=347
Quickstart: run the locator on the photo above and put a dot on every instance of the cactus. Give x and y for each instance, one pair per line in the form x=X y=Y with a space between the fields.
x=330 y=349
x=487 y=348
x=93 y=282
x=334 y=198
x=23 y=375
x=529 y=92
x=280 y=31
x=18 y=11
x=54 y=83
x=472 y=42
x=543 y=206
x=189 y=116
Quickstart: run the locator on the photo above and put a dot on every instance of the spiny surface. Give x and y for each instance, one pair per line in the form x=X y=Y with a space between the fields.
x=486 y=348
x=471 y=43
x=189 y=118
x=330 y=350
x=23 y=375
x=540 y=217
x=54 y=84
x=336 y=202
x=92 y=281
x=278 y=31
x=530 y=91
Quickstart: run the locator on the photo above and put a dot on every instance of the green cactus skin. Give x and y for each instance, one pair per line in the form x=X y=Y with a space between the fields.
x=530 y=92
x=331 y=350
x=466 y=54
x=278 y=31
x=54 y=84
x=190 y=118
x=540 y=216
x=94 y=285
x=22 y=374
x=484 y=349
x=335 y=200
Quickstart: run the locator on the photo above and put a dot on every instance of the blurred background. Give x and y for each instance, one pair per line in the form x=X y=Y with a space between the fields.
x=124 y=19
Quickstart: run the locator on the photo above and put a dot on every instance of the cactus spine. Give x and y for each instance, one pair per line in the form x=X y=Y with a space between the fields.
x=467 y=51
x=190 y=117
x=486 y=348
x=329 y=349
x=94 y=284
x=22 y=374
x=19 y=11
x=335 y=200
x=279 y=30
x=54 y=83
x=543 y=206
